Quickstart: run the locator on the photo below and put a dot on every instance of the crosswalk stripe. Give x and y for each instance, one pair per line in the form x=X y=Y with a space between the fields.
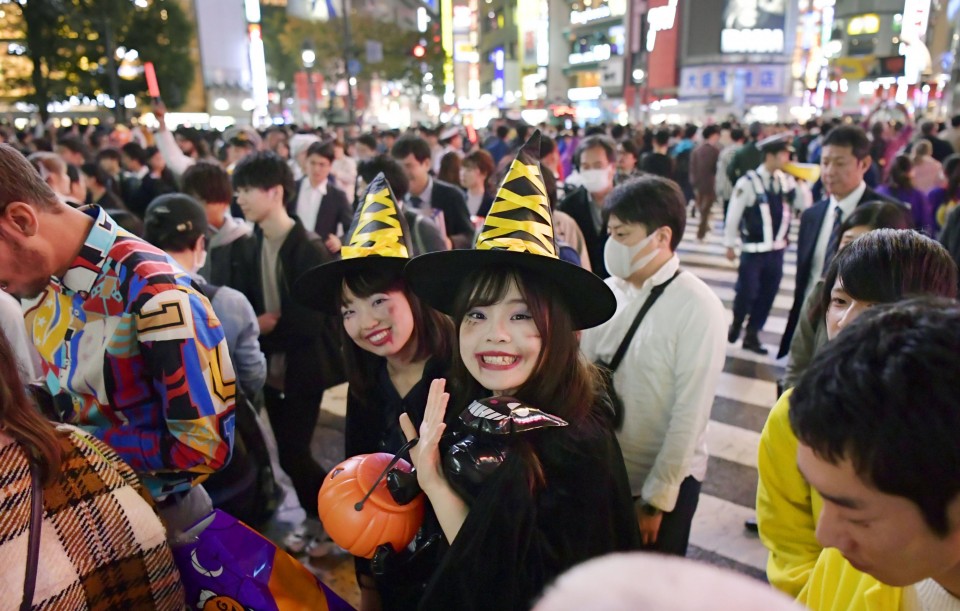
x=723 y=278
x=733 y=443
x=708 y=248
x=745 y=393
x=749 y=390
x=718 y=528
x=719 y=262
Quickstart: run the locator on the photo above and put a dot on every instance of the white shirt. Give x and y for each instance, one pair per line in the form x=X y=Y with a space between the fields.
x=667 y=379
x=425 y=198
x=12 y=326
x=308 y=202
x=931 y=596
x=847 y=206
x=175 y=158
x=344 y=171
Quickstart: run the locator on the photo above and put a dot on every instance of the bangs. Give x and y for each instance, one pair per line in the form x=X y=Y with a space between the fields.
x=369 y=283
x=875 y=281
x=490 y=286
x=869 y=273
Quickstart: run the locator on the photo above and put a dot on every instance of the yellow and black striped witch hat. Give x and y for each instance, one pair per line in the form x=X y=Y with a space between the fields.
x=377 y=242
x=518 y=233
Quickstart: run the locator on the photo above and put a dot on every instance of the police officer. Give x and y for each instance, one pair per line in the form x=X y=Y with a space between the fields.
x=759 y=216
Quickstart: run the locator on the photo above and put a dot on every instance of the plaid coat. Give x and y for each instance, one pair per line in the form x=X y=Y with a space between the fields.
x=102 y=544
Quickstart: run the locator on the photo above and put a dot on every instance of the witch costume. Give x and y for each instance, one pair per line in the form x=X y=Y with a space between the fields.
x=378 y=243
x=518 y=536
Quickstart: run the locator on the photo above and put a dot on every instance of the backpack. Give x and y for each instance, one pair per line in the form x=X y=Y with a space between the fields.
x=245 y=487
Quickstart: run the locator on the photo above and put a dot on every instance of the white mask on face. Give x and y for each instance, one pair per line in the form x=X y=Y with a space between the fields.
x=200 y=259
x=618 y=258
x=595 y=181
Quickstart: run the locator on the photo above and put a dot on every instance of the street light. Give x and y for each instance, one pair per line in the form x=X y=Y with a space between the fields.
x=308 y=56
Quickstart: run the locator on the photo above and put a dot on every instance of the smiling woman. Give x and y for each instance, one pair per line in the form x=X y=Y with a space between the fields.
x=548 y=498
x=393 y=347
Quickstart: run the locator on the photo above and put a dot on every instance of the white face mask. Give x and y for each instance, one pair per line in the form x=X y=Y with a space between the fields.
x=618 y=258
x=595 y=181
x=200 y=259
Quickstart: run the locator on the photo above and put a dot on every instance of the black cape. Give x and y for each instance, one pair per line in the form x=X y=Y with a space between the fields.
x=516 y=541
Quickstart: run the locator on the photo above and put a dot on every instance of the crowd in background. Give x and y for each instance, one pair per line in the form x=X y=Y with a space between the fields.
x=282 y=200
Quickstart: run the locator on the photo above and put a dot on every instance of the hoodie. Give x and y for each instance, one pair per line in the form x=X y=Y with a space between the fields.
x=232 y=230
x=229 y=251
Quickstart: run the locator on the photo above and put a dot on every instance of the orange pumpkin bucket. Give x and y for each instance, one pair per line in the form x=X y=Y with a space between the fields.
x=359 y=512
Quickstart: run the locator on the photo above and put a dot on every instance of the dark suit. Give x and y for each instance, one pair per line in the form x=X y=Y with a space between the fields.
x=811 y=221
x=334 y=208
x=450 y=200
x=577 y=205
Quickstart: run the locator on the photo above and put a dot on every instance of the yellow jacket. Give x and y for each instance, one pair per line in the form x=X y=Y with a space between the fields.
x=787 y=507
x=787 y=513
x=834 y=585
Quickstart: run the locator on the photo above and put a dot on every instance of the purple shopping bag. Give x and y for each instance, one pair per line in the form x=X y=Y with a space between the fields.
x=226 y=565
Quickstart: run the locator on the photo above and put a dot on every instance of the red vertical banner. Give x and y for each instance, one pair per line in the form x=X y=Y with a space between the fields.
x=317 y=82
x=663 y=34
x=302 y=91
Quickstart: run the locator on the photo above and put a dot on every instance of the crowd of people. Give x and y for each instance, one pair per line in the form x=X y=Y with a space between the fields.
x=175 y=304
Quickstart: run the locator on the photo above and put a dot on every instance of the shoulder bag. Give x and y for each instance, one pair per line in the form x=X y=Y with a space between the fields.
x=608 y=369
x=33 y=539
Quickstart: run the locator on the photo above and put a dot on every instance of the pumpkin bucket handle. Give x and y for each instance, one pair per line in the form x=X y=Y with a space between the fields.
x=403 y=450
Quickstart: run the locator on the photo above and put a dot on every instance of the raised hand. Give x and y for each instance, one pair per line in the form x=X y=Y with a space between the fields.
x=426 y=454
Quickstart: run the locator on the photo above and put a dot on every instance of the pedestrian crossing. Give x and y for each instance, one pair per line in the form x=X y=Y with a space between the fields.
x=746 y=391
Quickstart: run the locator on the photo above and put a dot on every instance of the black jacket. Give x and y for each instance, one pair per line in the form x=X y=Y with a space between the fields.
x=811 y=220
x=334 y=208
x=577 y=205
x=658 y=164
x=515 y=541
x=231 y=265
x=311 y=340
x=450 y=199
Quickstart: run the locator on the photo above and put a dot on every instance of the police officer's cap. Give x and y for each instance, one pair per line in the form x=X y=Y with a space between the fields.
x=775 y=144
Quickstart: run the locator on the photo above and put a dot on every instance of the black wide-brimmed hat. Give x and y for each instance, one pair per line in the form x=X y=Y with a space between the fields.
x=518 y=233
x=377 y=241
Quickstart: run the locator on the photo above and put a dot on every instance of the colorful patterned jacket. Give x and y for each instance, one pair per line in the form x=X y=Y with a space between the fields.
x=137 y=348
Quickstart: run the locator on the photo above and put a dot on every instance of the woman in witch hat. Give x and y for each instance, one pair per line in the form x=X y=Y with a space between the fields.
x=559 y=495
x=393 y=346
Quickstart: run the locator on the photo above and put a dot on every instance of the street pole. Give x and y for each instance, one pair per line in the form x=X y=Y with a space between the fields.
x=312 y=97
x=308 y=57
x=346 y=58
x=118 y=110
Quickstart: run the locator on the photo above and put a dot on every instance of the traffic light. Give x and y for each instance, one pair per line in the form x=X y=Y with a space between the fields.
x=419 y=51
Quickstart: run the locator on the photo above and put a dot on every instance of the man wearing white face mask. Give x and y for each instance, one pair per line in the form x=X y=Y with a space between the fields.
x=668 y=374
x=597 y=157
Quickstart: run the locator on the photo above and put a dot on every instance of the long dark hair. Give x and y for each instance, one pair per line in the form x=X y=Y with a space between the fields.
x=432 y=331
x=563 y=382
x=887 y=265
x=21 y=419
x=899 y=178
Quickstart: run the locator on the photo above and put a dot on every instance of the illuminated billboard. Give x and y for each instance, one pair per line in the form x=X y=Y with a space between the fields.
x=753 y=26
